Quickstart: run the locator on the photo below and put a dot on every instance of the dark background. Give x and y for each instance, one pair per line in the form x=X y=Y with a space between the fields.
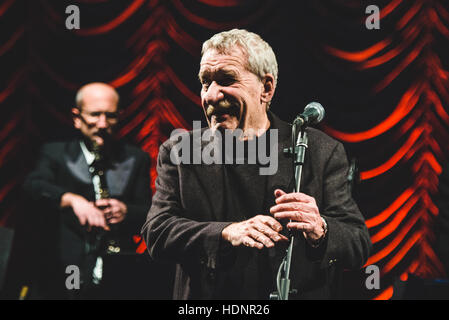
x=385 y=92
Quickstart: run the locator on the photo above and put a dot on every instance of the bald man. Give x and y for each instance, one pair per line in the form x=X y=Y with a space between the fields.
x=92 y=191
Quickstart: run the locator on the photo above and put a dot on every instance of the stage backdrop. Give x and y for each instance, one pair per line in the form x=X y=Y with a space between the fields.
x=384 y=85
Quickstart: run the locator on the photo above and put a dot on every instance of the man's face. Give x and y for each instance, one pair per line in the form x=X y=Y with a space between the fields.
x=98 y=115
x=230 y=94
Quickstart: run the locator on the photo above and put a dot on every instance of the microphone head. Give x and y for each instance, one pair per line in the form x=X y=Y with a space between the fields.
x=315 y=107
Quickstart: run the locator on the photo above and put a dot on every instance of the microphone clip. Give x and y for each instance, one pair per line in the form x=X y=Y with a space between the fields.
x=301 y=121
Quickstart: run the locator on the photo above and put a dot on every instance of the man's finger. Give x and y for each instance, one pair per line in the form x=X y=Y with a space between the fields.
x=249 y=242
x=301 y=226
x=98 y=221
x=292 y=215
x=113 y=220
x=271 y=222
x=101 y=223
x=268 y=231
x=293 y=197
x=261 y=238
x=102 y=202
x=107 y=210
x=90 y=222
x=82 y=220
x=291 y=206
x=113 y=201
x=279 y=192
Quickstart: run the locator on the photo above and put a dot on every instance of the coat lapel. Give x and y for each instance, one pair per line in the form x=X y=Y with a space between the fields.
x=283 y=178
x=118 y=176
x=76 y=162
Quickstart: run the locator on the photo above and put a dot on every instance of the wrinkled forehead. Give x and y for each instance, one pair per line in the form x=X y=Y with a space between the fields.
x=96 y=93
x=214 y=60
x=99 y=101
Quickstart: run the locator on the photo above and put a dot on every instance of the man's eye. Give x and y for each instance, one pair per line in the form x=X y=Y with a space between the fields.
x=226 y=82
x=111 y=115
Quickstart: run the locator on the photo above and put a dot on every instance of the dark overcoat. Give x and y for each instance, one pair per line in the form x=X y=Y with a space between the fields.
x=61 y=167
x=190 y=206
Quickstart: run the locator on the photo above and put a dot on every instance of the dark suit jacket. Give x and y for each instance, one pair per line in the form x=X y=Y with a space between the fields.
x=186 y=219
x=61 y=168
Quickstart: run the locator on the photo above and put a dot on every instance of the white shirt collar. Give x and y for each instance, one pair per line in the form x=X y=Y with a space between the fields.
x=90 y=157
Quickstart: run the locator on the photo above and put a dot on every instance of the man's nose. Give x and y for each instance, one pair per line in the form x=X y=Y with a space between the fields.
x=102 y=122
x=213 y=94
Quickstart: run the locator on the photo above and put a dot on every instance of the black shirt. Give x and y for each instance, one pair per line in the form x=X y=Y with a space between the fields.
x=249 y=272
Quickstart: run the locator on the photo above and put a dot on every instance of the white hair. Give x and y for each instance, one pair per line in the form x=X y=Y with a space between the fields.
x=260 y=56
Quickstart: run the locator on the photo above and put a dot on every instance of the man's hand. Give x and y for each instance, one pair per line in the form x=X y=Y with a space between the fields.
x=114 y=210
x=85 y=211
x=303 y=212
x=258 y=232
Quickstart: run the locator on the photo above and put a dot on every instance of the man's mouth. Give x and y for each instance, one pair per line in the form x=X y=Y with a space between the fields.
x=221 y=117
x=223 y=111
x=103 y=135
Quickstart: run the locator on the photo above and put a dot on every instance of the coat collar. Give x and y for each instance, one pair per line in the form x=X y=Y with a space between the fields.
x=283 y=178
x=73 y=150
x=117 y=175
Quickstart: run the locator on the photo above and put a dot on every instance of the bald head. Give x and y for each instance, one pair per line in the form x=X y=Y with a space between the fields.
x=96 y=91
x=96 y=112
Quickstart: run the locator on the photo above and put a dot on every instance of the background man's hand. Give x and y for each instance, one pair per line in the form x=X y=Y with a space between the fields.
x=303 y=212
x=114 y=210
x=258 y=232
x=86 y=211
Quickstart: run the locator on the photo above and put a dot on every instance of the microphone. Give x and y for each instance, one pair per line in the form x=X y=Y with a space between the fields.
x=313 y=114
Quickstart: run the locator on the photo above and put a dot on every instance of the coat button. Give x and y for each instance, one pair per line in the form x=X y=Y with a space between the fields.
x=332 y=261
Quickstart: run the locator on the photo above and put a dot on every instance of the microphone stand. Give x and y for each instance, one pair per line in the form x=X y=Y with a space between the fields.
x=297 y=151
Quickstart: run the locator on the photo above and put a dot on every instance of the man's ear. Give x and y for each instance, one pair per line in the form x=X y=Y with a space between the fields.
x=268 y=88
x=76 y=118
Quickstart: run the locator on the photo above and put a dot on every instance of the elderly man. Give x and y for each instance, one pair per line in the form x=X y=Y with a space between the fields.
x=226 y=226
x=93 y=193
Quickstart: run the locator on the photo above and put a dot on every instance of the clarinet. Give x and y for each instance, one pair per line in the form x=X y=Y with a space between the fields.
x=105 y=241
